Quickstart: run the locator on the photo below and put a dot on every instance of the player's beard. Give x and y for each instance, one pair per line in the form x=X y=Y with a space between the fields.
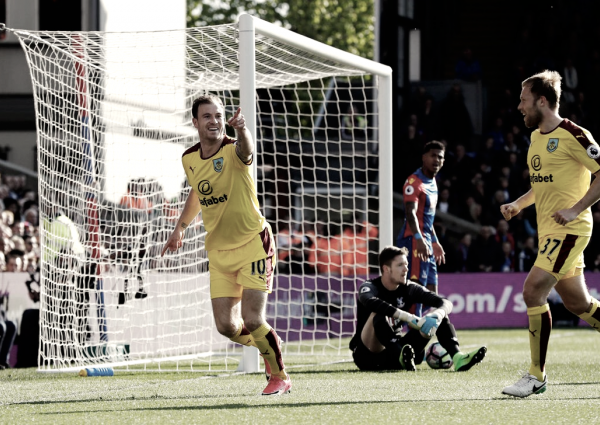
x=533 y=120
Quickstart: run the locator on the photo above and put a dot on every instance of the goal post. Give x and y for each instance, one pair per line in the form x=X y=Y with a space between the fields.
x=383 y=101
x=113 y=118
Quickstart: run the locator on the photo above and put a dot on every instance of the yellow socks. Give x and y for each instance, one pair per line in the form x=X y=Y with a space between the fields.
x=267 y=342
x=593 y=316
x=243 y=336
x=540 y=325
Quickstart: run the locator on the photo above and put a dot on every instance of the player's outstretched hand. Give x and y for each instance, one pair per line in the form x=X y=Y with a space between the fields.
x=237 y=121
x=509 y=210
x=438 y=253
x=174 y=242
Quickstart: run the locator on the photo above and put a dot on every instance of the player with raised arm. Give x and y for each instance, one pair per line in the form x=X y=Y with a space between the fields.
x=418 y=234
x=561 y=159
x=239 y=241
x=383 y=307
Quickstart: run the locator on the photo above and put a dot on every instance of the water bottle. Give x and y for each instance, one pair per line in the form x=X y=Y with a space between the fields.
x=97 y=371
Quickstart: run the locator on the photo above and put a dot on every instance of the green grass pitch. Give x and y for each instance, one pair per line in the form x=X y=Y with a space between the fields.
x=328 y=389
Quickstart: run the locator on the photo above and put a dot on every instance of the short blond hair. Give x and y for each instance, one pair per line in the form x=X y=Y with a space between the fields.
x=546 y=83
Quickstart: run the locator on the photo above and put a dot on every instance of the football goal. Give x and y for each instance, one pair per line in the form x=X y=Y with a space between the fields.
x=113 y=119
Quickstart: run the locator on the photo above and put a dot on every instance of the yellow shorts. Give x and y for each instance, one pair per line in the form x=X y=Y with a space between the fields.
x=561 y=255
x=250 y=266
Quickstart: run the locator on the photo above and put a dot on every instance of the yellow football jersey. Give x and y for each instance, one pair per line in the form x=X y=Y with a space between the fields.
x=227 y=195
x=560 y=166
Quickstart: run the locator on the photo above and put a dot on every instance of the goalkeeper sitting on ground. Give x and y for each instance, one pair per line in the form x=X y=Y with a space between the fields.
x=383 y=307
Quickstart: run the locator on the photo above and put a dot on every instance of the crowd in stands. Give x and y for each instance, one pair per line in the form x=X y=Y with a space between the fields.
x=19 y=248
x=19 y=244
x=485 y=171
x=314 y=248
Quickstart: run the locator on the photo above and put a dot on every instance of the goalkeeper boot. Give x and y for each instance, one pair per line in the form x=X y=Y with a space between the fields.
x=278 y=386
x=464 y=362
x=141 y=293
x=526 y=386
x=407 y=358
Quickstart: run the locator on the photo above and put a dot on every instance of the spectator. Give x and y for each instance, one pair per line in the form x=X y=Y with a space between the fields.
x=505 y=261
x=503 y=185
x=8 y=218
x=487 y=154
x=497 y=133
x=444 y=201
x=503 y=234
x=485 y=250
x=467 y=67
x=510 y=146
x=326 y=255
x=527 y=255
x=14 y=263
x=293 y=248
x=570 y=82
x=455 y=122
x=135 y=198
x=475 y=210
x=134 y=236
x=515 y=172
x=493 y=211
x=462 y=167
x=428 y=119
x=463 y=253
x=478 y=192
x=31 y=216
x=284 y=246
x=413 y=148
x=354 y=124
x=521 y=140
x=521 y=226
x=309 y=231
x=355 y=242
x=8 y=331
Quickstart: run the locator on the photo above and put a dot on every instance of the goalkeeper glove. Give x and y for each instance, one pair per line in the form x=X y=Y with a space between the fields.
x=430 y=323
x=411 y=319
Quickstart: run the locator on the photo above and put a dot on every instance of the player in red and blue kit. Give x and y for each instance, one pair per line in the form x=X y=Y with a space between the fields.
x=417 y=234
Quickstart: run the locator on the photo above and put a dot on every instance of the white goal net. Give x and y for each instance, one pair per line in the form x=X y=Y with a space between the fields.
x=113 y=119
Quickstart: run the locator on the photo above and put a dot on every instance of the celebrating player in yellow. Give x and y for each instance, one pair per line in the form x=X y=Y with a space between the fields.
x=561 y=159
x=239 y=241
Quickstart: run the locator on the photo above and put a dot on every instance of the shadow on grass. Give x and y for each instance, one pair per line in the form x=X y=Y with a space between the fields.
x=272 y=401
x=558 y=384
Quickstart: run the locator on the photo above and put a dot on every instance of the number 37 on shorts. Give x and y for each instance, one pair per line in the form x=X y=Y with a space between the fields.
x=560 y=253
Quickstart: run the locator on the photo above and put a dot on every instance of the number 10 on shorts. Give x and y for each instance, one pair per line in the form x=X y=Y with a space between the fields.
x=259 y=266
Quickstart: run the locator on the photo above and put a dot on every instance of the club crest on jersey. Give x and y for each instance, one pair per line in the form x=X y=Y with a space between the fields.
x=552 y=145
x=400 y=302
x=593 y=151
x=218 y=164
